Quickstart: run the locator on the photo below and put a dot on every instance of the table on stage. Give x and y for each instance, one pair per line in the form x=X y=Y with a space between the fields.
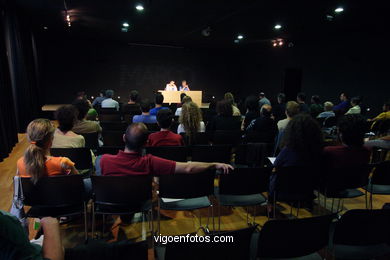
x=174 y=96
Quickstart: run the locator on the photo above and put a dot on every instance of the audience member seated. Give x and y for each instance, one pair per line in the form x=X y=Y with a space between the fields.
x=229 y=97
x=145 y=117
x=292 y=109
x=98 y=100
x=343 y=106
x=279 y=110
x=355 y=108
x=190 y=120
x=385 y=115
x=383 y=142
x=351 y=130
x=131 y=162
x=159 y=99
x=14 y=242
x=301 y=99
x=328 y=107
x=132 y=107
x=184 y=100
x=82 y=125
x=315 y=107
x=264 y=126
x=224 y=119
x=252 y=111
x=109 y=102
x=37 y=162
x=165 y=137
x=64 y=137
x=263 y=100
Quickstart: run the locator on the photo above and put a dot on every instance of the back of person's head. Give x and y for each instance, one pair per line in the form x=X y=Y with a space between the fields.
x=145 y=105
x=301 y=97
x=133 y=95
x=40 y=134
x=136 y=136
x=352 y=129
x=344 y=95
x=261 y=95
x=328 y=106
x=186 y=99
x=266 y=111
x=355 y=100
x=102 y=93
x=292 y=108
x=224 y=108
x=190 y=118
x=315 y=99
x=82 y=107
x=66 y=117
x=159 y=99
x=164 y=118
x=252 y=103
x=229 y=97
x=281 y=98
x=303 y=134
x=109 y=93
x=81 y=95
x=182 y=95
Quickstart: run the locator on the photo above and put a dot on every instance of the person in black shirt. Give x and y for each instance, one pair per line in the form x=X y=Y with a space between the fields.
x=279 y=109
x=252 y=111
x=303 y=107
x=224 y=119
x=264 y=126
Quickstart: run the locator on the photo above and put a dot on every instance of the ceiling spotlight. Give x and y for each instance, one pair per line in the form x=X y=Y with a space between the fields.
x=338 y=10
x=139 y=7
x=206 y=32
x=280 y=43
x=278 y=26
x=274 y=44
x=125 y=24
x=240 y=36
x=45 y=28
x=277 y=42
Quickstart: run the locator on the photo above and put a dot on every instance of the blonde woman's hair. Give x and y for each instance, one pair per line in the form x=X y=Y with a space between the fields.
x=39 y=133
x=190 y=118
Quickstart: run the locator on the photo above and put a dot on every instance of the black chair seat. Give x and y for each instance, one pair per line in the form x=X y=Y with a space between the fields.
x=241 y=200
x=186 y=204
x=360 y=252
x=343 y=194
x=55 y=212
x=123 y=209
x=378 y=189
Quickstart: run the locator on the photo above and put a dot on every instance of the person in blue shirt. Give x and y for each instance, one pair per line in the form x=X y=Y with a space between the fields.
x=328 y=107
x=98 y=100
x=184 y=86
x=159 y=99
x=343 y=106
x=145 y=117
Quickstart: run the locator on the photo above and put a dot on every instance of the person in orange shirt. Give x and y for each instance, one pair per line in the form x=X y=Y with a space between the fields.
x=37 y=162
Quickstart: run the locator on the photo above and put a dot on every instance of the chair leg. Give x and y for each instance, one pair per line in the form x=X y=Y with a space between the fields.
x=254 y=215
x=219 y=217
x=274 y=207
x=212 y=217
x=299 y=206
x=247 y=215
x=158 y=217
x=104 y=224
x=93 y=220
x=365 y=196
x=143 y=229
x=85 y=222
x=331 y=209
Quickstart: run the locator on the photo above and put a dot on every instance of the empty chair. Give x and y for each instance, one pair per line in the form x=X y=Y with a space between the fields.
x=191 y=190
x=113 y=126
x=227 y=137
x=361 y=234
x=253 y=154
x=121 y=195
x=80 y=156
x=379 y=182
x=56 y=196
x=109 y=149
x=174 y=153
x=243 y=187
x=289 y=238
x=211 y=153
x=238 y=247
x=91 y=140
x=113 y=138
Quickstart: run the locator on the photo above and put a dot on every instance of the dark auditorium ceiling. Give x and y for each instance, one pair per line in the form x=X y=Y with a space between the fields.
x=180 y=22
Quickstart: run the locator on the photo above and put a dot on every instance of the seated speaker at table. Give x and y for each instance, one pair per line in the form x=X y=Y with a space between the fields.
x=171 y=86
x=184 y=86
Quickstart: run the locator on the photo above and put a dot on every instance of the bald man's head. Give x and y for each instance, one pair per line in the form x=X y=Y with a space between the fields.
x=136 y=136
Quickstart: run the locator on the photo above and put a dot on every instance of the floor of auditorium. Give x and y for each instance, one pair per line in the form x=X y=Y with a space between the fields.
x=172 y=222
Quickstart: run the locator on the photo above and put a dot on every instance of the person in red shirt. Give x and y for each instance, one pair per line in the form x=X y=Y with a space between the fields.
x=132 y=162
x=352 y=152
x=165 y=137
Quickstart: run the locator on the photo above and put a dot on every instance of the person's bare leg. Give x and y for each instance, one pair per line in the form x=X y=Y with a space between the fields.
x=52 y=246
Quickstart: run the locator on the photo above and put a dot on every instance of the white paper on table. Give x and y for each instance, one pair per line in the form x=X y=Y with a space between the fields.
x=167 y=200
x=272 y=159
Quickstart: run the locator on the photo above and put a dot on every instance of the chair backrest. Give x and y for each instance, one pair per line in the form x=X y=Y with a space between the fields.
x=185 y=186
x=113 y=126
x=91 y=140
x=174 y=153
x=109 y=150
x=55 y=191
x=363 y=227
x=108 y=110
x=110 y=117
x=211 y=153
x=253 y=154
x=201 y=138
x=122 y=190
x=113 y=138
x=293 y=237
x=245 y=181
x=381 y=174
x=153 y=127
x=236 y=246
x=379 y=154
x=330 y=121
x=337 y=179
x=227 y=137
x=80 y=156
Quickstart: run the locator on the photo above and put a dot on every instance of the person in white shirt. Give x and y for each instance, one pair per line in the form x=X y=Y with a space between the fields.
x=109 y=102
x=355 y=108
x=191 y=120
x=171 y=86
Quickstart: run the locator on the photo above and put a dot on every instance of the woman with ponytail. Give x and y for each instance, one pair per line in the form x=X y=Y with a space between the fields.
x=37 y=162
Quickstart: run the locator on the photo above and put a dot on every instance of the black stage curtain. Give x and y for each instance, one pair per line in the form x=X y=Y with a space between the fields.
x=19 y=83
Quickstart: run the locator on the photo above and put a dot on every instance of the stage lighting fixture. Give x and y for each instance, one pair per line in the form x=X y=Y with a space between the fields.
x=329 y=17
x=119 y=97
x=277 y=26
x=280 y=43
x=139 y=7
x=206 y=32
x=124 y=29
x=277 y=42
x=45 y=28
x=339 y=10
x=68 y=21
x=236 y=41
x=125 y=25
x=274 y=44
x=240 y=36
